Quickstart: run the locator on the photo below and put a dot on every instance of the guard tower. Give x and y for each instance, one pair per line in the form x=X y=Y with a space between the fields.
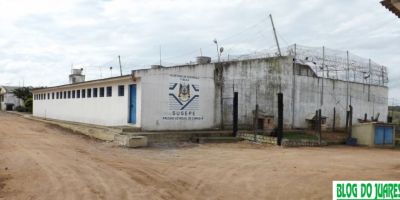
x=76 y=76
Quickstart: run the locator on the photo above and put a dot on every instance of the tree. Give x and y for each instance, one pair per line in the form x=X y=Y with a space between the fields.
x=23 y=93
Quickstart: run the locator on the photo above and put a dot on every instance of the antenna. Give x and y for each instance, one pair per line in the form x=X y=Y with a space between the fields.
x=276 y=38
x=120 y=66
x=101 y=74
x=160 y=55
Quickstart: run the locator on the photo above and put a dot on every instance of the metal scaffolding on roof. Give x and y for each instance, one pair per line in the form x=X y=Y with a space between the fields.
x=328 y=63
x=341 y=65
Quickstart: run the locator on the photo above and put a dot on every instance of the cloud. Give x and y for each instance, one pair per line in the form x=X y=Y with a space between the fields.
x=40 y=40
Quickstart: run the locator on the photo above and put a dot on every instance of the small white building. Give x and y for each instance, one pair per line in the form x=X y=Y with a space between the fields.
x=8 y=101
x=199 y=96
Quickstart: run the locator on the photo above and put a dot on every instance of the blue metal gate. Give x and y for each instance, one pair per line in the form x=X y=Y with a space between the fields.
x=379 y=135
x=132 y=104
x=388 y=135
x=383 y=135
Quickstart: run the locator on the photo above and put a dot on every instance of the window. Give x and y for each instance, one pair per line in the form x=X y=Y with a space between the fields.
x=65 y=94
x=78 y=94
x=52 y=95
x=61 y=95
x=89 y=92
x=69 y=94
x=121 y=90
x=57 y=95
x=83 y=93
x=102 y=92
x=94 y=92
x=73 y=94
x=109 y=91
x=48 y=95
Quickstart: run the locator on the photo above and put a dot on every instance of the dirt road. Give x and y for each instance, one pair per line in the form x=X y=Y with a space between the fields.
x=38 y=161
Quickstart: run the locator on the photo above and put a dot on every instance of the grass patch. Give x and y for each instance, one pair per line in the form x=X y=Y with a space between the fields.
x=298 y=136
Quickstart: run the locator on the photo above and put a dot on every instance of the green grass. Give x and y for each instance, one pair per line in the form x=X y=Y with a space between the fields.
x=298 y=136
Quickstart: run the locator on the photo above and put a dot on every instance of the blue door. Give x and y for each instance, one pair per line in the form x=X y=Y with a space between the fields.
x=132 y=104
x=388 y=135
x=379 y=134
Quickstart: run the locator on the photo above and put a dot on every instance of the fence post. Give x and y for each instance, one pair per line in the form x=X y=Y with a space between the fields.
x=255 y=123
x=350 y=121
x=334 y=119
x=319 y=125
x=235 y=113
x=280 y=118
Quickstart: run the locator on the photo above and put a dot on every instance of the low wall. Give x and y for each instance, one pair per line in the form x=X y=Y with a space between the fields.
x=172 y=138
x=259 y=138
x=302 y=143
x=285 y=142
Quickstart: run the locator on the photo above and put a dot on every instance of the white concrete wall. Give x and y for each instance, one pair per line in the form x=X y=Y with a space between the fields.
x=108 y=111
x=9 y=98
x=157 y=111
x=308 y=99
x=258 y=81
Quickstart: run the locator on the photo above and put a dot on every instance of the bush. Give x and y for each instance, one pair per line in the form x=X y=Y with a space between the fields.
x=28 y=104
x=20 y=109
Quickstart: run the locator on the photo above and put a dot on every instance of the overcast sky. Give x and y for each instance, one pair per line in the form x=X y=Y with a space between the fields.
x=40 y=40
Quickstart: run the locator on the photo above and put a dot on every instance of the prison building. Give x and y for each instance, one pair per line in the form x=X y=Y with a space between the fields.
x=200 y=96
x=8 y=101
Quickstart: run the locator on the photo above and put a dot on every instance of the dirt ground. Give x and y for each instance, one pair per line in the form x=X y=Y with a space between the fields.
x=39 y=161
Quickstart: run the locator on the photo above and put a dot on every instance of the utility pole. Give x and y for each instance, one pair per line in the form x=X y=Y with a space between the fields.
x=323 y=74
x=347 y=84
x=160 y=55
x=369 y=81
x=294 y=85
x=276 y=38
x=218 y=54
x=120 y=66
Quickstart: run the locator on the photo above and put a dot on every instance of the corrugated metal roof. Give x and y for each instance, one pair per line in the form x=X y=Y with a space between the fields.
x=390 y=6
x=9 y=88
x=82 y=83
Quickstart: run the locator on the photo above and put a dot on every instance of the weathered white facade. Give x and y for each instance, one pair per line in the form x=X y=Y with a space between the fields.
x=60 y=103
x=8 y=101
x=189 y=97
